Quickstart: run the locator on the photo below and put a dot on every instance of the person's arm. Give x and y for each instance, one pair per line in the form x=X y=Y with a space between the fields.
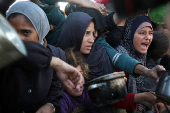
x=132 y=99
x=39 y=57
x=88 y=4
x=127 y=103
x=129 y=65
x=120 y=61
x=146 y=96
x=66 y=72
x=152 y=73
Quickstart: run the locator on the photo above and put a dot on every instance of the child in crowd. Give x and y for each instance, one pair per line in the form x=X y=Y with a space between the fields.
x=31 y=84
x=73 y=98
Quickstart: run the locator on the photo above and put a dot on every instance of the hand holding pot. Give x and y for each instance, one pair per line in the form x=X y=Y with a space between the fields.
x=145 y=96
x=153 y=73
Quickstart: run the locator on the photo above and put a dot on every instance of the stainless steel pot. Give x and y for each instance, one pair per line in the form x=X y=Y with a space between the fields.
x=163 y=87
x=11 y=46
x=107 y=89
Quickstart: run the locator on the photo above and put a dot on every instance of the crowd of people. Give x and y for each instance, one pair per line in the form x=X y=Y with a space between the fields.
x=68 y=49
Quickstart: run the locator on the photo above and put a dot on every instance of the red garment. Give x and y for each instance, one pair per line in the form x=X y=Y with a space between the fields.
x=102 y=1
x=128 y=102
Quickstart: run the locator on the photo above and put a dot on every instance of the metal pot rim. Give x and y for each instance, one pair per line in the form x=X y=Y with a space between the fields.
x=106 y=77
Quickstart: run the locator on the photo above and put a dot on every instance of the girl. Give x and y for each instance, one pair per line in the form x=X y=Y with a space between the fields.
x=32 y=82
x=82 y=34
x=136 y=39
x=73 y=98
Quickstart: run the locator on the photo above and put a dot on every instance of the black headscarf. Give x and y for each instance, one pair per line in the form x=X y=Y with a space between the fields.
x=72 y=35
x=100 y=24
x=73 y=30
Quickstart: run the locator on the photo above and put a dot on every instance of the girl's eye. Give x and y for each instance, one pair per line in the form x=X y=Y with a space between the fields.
x=151 y=33
x=26 y=32
x=141 y=33
x=86 y=33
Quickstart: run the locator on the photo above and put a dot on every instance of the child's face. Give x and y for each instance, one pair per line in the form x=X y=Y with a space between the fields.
x=24 y=29
x=70 y=90
x=142 y=39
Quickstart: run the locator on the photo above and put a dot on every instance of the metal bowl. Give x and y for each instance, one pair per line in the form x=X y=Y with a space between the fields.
x=107 y=89
x=11 y=46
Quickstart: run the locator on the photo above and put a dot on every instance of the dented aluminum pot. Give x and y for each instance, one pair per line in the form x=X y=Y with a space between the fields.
x=163 y=87
x=107 y=89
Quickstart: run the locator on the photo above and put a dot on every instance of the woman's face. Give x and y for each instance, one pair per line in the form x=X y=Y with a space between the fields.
x=88 y=39
x=24 y=29
x=142 y=39
x=74 y=92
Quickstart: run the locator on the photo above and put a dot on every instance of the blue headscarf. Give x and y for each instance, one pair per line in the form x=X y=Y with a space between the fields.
x=136 y=23
x=126 y=47
x=126 y=43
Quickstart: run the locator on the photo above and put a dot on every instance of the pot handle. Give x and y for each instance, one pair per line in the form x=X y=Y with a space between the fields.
x=98 y=85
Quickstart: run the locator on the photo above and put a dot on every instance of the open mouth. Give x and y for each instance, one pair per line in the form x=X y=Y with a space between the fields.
x=88 y=47
x=144 y=45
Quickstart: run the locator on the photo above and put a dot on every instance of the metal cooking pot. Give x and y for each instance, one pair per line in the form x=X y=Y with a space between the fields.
x=163 y=87
x=11 y=46
x=107 y=89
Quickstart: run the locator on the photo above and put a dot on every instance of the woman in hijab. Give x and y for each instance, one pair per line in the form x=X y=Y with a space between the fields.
x=116 y=60
x=137 y=37
x=56 y=18
x=30 y=85
x=115 y=56
x=81 y=34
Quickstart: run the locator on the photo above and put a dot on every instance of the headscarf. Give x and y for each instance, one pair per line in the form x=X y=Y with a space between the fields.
x=73 y=35
x=100 y=24
x=35 y=14
x=126 y=47
x=73 y=30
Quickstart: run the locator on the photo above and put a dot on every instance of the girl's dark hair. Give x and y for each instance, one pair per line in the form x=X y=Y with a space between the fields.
x=13 y=15
x=159 y=45
x=75 y=58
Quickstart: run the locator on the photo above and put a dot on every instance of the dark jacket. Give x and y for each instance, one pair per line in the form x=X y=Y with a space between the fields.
x=29 y=83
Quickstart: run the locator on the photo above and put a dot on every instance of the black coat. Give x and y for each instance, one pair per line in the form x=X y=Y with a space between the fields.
x=29 y=83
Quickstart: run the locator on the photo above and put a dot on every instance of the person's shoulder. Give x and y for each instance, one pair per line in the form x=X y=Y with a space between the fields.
x=57 y=52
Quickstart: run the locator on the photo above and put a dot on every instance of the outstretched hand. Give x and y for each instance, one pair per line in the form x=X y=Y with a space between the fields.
x=66 y=72
x=153 y=73
x=100 y=7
